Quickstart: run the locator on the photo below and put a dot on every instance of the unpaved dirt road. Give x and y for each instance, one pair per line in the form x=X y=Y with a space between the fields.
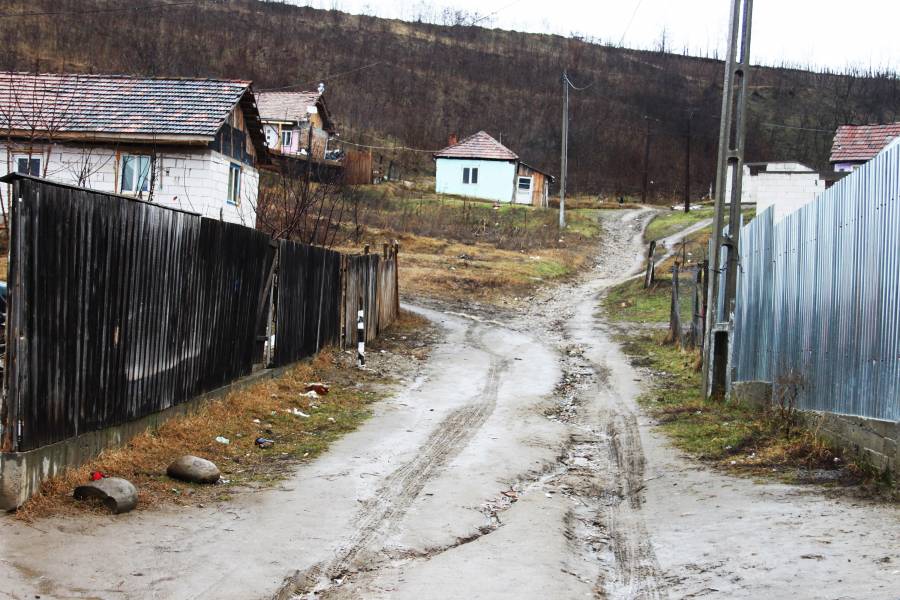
x=516 y=465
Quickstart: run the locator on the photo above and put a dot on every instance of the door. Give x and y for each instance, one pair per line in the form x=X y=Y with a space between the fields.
x=523 y=190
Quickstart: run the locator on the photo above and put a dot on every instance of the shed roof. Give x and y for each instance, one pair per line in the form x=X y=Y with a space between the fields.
x=292 y=106
x=862 y=142
x=286 y=106
x=478 y=145
x=120 y=104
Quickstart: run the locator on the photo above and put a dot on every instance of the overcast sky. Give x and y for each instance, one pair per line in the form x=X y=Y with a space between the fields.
x=832 y=33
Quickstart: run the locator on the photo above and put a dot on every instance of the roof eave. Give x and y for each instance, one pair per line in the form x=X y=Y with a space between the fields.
x=101 y=136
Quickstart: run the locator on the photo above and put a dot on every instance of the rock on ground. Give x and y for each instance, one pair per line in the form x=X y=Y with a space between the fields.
x=118 y=495
x=194 y=470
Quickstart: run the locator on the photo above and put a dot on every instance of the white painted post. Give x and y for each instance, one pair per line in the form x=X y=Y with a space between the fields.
x=361 y=337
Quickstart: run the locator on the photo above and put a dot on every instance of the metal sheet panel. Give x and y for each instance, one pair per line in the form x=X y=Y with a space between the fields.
x=832 y=339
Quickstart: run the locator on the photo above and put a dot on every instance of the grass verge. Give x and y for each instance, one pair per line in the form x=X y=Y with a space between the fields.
x=264 y=409
x=669 y=223
x=740 y=438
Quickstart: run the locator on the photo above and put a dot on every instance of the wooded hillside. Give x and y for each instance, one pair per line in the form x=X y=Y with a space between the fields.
x=391 y=82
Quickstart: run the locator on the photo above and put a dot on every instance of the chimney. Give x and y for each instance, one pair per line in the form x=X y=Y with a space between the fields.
x=452 y=140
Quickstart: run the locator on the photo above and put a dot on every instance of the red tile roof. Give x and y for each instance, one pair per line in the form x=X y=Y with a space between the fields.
x=119 y=104
x=862 y=142
x=479 y=145
x=285 y=106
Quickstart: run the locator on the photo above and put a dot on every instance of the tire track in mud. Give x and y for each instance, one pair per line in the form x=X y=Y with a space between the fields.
x=401 y=488
x=606 y=460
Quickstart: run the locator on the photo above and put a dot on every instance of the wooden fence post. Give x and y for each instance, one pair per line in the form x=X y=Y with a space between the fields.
x=675 y=335
x=650 y=274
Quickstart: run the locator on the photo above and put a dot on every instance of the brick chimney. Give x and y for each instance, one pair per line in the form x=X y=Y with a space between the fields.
x=452 y=140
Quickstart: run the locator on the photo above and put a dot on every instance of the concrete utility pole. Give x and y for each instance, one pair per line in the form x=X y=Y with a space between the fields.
x=564 y=159
x=732 y=137
x=646 y=160
x=687 y=164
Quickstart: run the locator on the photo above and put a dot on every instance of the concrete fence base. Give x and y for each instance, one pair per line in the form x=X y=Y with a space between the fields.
x=874 y=441
x=754 y=393
x=21 y=473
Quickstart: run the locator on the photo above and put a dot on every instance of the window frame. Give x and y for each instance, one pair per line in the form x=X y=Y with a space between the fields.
x=519 y=180
x=235 y=175
x=137 y=182
x=466 y=174
x=287 y=138
x=31 y=158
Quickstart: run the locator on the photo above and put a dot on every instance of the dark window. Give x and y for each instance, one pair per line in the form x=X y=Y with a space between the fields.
x=475 y=175
x=28 y=166
x=466 y=175
x=135 y=173
x=524 y=183
x=234 y=184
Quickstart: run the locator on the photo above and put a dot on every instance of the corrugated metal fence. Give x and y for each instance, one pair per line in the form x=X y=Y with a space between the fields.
x=120 y=308
x=819 y=302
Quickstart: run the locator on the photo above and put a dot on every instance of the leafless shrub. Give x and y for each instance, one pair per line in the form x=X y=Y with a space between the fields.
x=783 y=413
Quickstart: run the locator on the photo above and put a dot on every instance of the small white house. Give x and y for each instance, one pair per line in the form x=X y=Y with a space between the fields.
x=192 y=144
x=481 y=167
x=786 y=186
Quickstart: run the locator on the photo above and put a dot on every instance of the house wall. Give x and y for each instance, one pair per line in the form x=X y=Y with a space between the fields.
x=784 y=186
x=539 y=185
x=300 y=139
x=785 y=192
x=496 y=178
x=192 y=179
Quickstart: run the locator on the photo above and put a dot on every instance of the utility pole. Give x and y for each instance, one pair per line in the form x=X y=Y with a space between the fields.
x=687 y=164
x=646 y=160
x=732 y=138
x=564 y=158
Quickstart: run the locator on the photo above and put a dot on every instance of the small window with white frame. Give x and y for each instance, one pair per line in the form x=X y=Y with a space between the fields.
x=470 y=175
x=28 y=165
x=287 y=138
x=135 y=173
x=234 y=184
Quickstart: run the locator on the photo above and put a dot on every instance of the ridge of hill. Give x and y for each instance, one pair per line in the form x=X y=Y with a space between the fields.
x=392 y=82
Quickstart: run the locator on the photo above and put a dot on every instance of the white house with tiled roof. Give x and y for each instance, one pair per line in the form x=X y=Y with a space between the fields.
x=191 y=144
x=481 y=167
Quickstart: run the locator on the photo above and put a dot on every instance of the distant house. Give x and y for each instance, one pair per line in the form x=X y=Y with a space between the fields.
x=786 y=186
x=855 y=145
x=192 y=144
x=290 y=117
x=481 y=167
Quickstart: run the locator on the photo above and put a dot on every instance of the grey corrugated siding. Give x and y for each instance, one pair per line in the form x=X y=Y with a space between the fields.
x=834 y=274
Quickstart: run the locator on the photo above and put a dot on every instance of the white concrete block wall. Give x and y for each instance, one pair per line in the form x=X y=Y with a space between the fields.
x=195 y=180
x=786 y=186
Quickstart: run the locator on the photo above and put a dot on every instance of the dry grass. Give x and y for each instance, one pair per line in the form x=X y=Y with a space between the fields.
x=739 y=438
x=144 y=459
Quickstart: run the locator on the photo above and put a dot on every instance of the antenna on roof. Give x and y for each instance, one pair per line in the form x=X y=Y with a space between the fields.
x=321 y=88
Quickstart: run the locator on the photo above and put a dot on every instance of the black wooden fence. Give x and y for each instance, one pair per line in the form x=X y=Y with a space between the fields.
x=119 y=308
x=308 y=310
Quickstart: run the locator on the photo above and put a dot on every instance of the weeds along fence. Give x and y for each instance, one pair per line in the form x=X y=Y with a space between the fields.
x=817 y=301
x=119 y=308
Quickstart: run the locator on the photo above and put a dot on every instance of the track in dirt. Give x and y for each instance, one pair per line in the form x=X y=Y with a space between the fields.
x=401 y=488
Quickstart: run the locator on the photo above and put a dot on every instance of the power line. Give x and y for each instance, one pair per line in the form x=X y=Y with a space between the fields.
x=780 y=126
x=573 y=86
x=404 y=148
x=488 y=16
x=325 y=78
x=630 y=21
x=55 y=13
